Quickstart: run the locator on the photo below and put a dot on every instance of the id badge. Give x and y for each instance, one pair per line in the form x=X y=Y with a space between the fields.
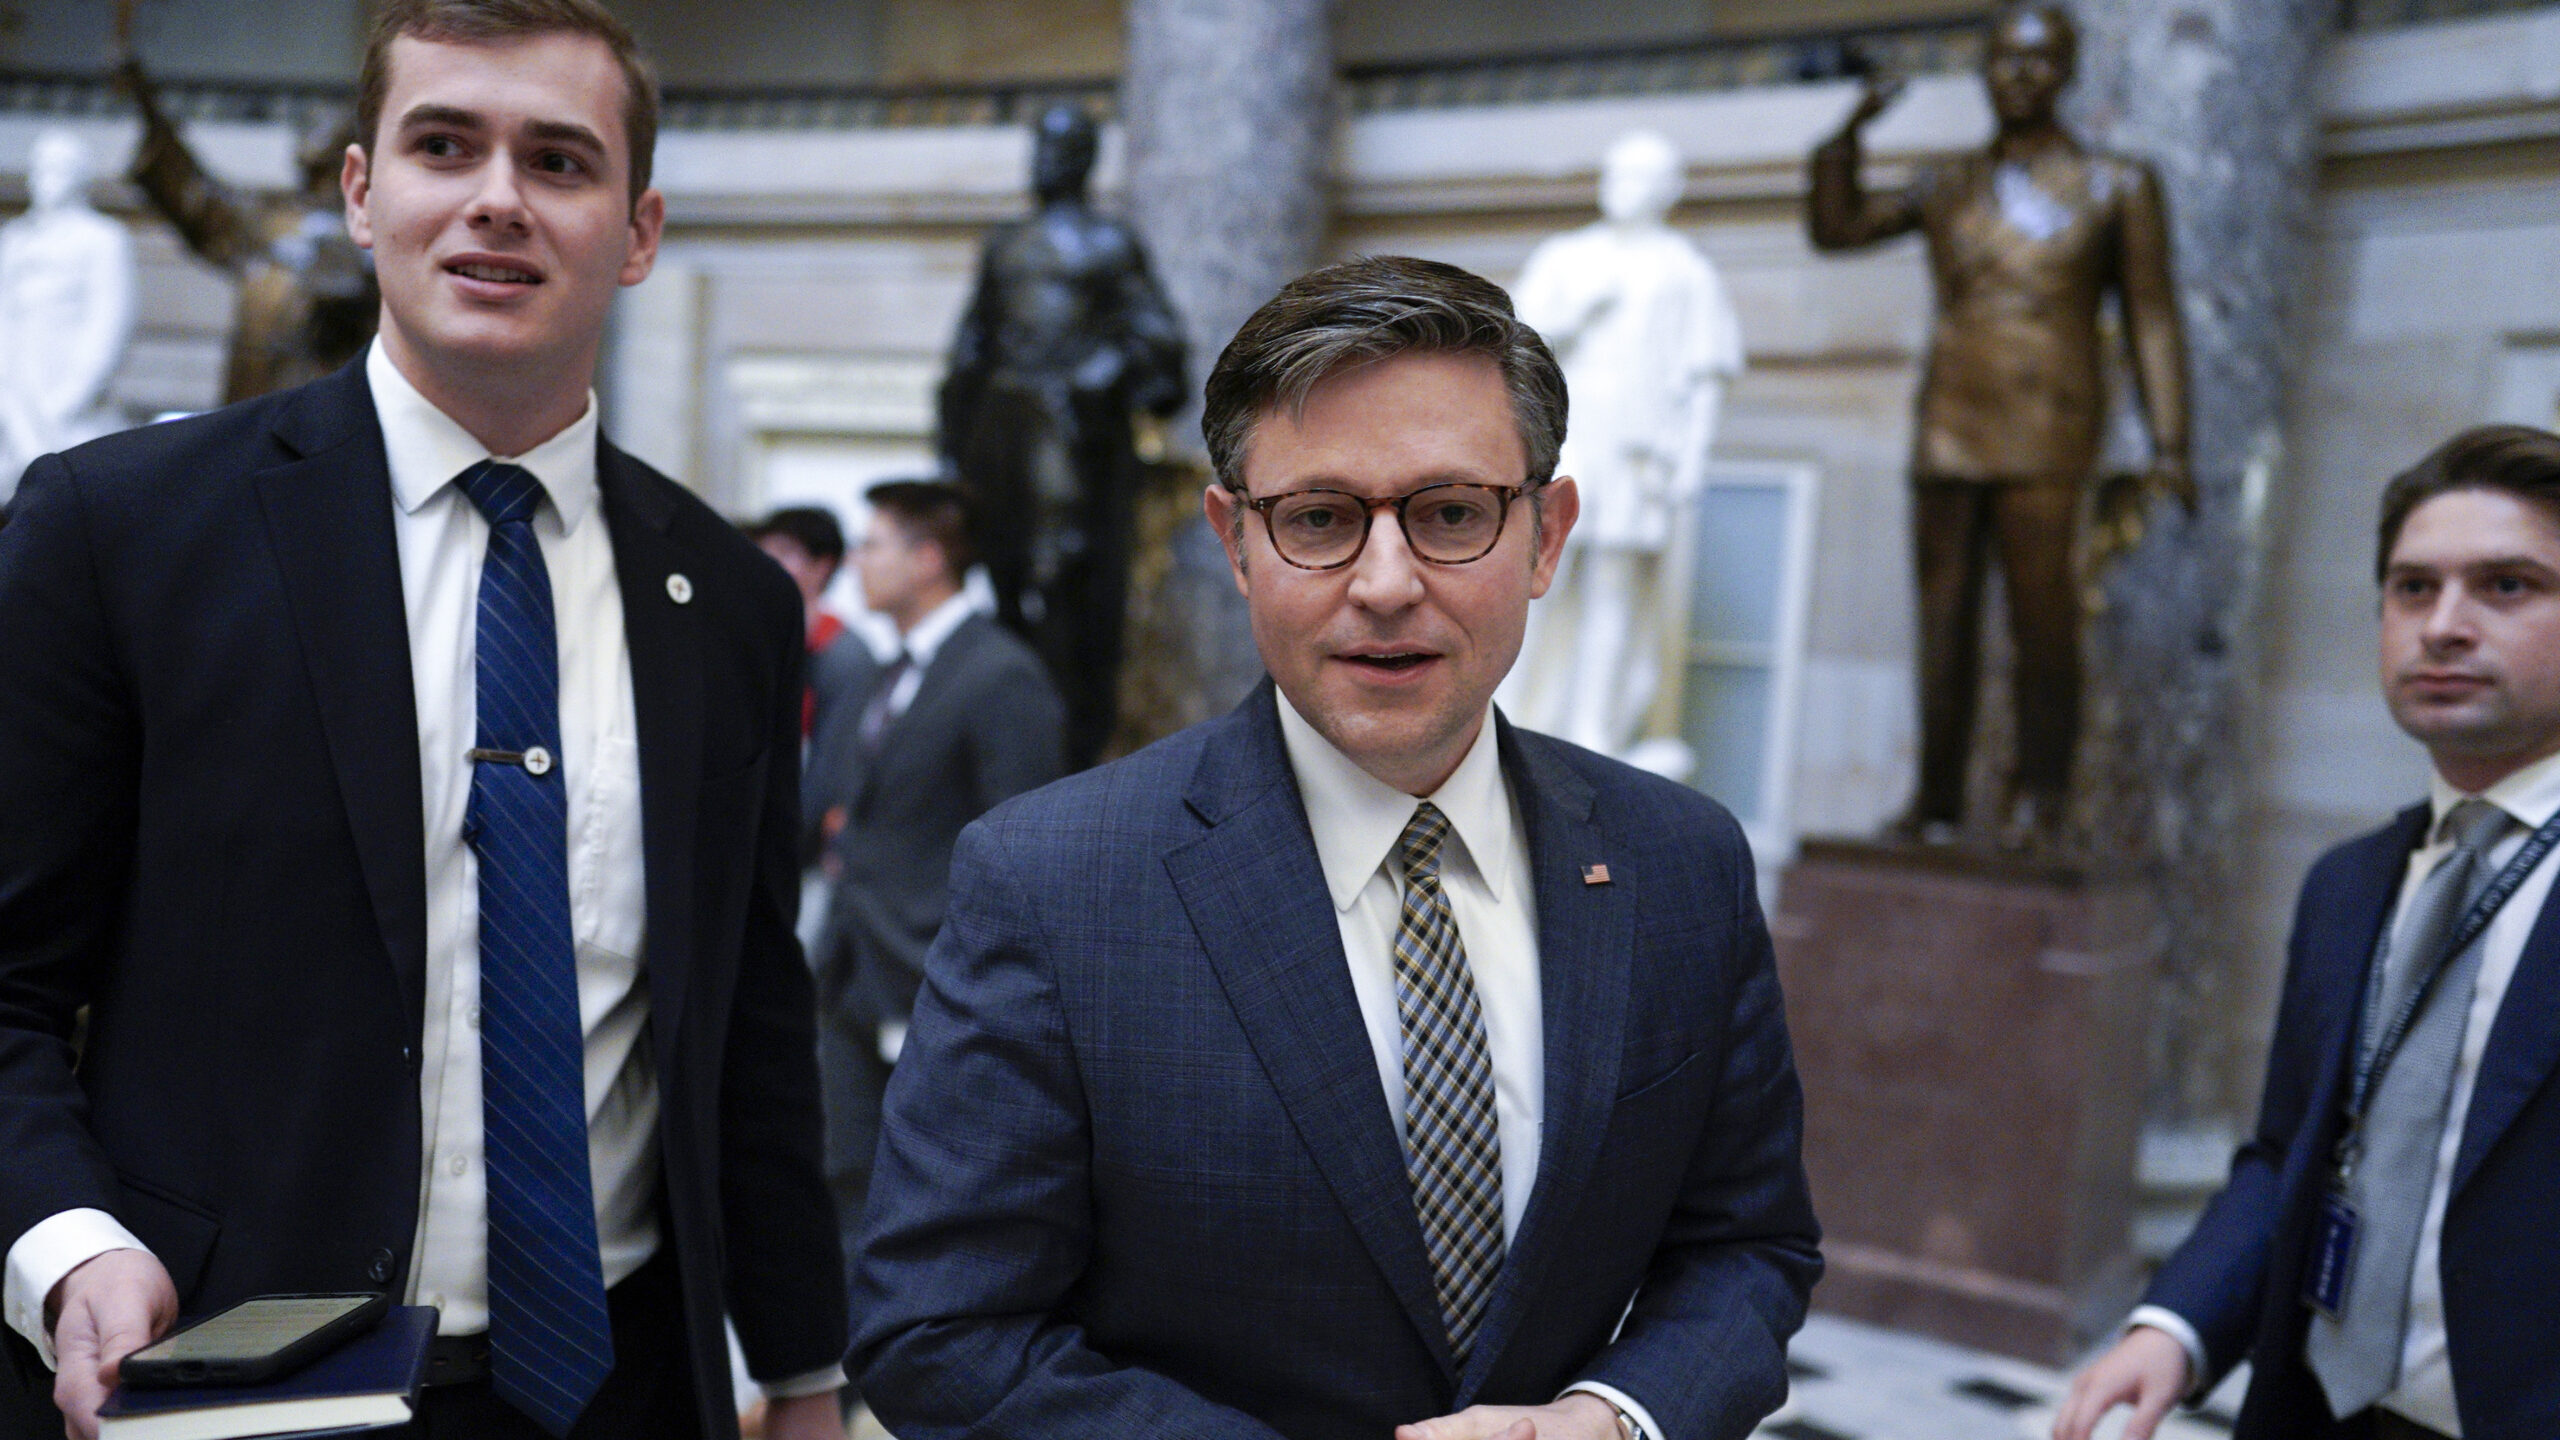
x=2333 y=1253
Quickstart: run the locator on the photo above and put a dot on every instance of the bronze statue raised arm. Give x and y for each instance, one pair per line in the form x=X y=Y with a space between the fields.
x=1067 y=336
x=2025 y=240
x=307 y=301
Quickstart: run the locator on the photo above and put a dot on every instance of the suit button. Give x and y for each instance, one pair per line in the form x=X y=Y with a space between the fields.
x=380 y=1270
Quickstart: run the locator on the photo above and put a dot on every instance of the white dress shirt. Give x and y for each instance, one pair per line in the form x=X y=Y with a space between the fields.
x=443 y=541
x=1484 y=871
x=2532 y=796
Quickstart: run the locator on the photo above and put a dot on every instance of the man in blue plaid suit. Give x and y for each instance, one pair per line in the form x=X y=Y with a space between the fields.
x=1356 y=1064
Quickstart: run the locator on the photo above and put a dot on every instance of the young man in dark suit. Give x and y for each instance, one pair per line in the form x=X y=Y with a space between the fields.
x=961 y=719
x=2382 y=1255
x=404 y=778
x=1351 y=1065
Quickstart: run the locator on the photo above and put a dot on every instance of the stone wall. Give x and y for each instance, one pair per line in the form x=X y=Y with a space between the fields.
x=903 y=42
x=812 y=279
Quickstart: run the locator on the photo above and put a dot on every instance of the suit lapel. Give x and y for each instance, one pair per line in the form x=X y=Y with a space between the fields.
x=2345 y=953
x=1586 y=936
x=1256 y=896
x=665 y=639
x=329 y=521
x=2523 y=1048
x=2337 y=952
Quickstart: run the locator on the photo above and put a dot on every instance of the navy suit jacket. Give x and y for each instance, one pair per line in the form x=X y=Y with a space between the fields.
x=1137 y=1175
x=212 y=837
x=2238 y=1278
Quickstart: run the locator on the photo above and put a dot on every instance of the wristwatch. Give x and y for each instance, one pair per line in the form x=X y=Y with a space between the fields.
x=1628 y=1429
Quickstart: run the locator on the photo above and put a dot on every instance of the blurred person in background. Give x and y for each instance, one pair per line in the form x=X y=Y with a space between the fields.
x=962 y=717
x=808 y=544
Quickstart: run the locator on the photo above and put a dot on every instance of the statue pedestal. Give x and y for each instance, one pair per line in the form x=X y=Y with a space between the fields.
x=1971 y=1032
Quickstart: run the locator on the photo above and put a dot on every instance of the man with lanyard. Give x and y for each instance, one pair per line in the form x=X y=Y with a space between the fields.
x=2381 y=1254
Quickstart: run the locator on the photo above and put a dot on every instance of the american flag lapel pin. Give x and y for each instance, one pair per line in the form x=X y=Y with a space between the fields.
x=1595 y=874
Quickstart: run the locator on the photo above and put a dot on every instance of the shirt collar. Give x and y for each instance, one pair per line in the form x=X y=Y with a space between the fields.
x=2531 y=794
x=1357 y=818
x=927 y=638
x=427 y=448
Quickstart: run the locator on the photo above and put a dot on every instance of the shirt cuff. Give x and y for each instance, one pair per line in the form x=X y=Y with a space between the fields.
x=52 y=1248
x=816 y=1382
x=1621 y=1399
x=2175 y=1326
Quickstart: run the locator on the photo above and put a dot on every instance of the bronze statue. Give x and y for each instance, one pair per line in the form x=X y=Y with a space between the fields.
x=307 y=301
x=2024 y=241
x=1067 y=336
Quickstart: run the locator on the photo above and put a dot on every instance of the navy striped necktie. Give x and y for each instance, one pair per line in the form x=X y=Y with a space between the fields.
x=550 y=1340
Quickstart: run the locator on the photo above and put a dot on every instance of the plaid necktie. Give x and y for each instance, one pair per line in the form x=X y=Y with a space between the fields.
x=550 y=1338
x=2357 y=1355
x=1453 y=1153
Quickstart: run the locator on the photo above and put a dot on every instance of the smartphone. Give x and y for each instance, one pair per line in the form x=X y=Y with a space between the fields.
x=255 y=1340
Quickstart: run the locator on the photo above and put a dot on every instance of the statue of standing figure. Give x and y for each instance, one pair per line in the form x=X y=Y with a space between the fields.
x=66 y=310
x=1067 y=336
x=1639 y=321
x=307 y=301
x=2025 y=240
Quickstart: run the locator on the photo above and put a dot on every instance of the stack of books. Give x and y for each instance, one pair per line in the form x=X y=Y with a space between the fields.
x=369 y=1382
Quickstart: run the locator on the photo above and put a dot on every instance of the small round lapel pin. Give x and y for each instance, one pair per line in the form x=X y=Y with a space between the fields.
x=679 y=589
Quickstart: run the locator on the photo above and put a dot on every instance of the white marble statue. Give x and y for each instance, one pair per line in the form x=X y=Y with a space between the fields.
x=1647 y=340
x=66 y=310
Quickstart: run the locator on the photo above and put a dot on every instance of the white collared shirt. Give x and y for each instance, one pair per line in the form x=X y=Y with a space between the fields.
x=1356 y=820
x=443 y=541
x=2532 y=795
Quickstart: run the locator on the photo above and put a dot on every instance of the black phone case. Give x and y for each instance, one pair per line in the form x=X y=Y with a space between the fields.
x=143 y=1371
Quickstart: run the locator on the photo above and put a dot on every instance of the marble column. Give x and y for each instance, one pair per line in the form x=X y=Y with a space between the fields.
x=2222 y=96
x=1228 y=106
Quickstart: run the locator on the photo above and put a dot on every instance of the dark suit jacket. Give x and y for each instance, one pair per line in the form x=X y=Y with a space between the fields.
x=985 y=725
x=841 y=672
x=1137 y=1175
x=2238 y=1278
x=212 y=837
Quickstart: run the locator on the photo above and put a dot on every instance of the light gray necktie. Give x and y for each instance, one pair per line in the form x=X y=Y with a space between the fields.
x=2357 y=1355
x=1453 y=1150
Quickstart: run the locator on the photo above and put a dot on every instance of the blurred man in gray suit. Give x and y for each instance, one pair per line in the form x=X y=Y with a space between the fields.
x=961 y=718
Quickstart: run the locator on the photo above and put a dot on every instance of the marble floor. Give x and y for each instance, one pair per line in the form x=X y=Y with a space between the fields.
x=1860 y=1382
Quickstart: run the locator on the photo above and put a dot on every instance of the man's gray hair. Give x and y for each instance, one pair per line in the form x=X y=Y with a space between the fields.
x=1362 y=311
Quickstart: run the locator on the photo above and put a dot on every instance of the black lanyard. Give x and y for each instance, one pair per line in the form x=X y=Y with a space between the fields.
x=2370 y=1066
